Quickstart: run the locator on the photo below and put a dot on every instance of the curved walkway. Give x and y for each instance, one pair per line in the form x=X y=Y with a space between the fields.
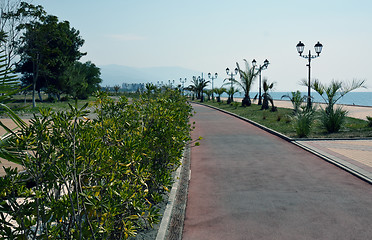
x=248 y=184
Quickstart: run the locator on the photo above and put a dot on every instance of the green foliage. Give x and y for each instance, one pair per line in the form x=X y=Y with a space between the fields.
x=247 y=78
x=235 y=104
x=297 y=99
x=303 y=121
x=197 y=86
x=8 y=86
x=219 y=91
x=369 y=121
x=231 y=91
x=14 y=15
x=266 y=96
x=332 y=119
x=81 y=80
x=96 y=178
x=352 y=127
x=208 y=92
x=50 y=47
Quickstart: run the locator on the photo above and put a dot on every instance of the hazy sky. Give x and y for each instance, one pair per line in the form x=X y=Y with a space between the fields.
x=210 y=35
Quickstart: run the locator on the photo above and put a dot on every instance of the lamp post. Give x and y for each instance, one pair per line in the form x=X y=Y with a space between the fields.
x=183 y=84
x=231 y=99
x=300 y=49
x=259 y=70
x=211 y=77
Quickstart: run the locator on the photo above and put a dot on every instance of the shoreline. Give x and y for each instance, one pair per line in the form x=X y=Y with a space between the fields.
x=321 y=103
x=355 y=111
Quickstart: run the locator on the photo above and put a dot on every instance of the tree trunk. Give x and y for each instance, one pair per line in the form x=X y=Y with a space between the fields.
x=40 y=97
x=246 y=102
x=33 y=94
x=265 y=103
x=229 y=100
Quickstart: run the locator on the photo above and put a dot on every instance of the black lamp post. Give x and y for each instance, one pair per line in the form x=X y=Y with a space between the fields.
x=183 y=84
x=211 y=77
x=259 y=70
x=231 y=99
x=300 y=49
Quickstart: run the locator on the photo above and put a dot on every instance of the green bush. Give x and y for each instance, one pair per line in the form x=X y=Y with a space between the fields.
x=332 y=119
x=369 y=121
x=95 y=178
x=303 y=120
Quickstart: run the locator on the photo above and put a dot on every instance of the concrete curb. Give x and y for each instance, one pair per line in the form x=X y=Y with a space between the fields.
x=171 y=225
x=163 y=228
x=354 y=170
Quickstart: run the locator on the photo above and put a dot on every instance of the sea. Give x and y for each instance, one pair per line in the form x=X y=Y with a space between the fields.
x=351 y=98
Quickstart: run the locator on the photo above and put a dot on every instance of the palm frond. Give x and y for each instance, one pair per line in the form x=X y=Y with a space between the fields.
x=247 y=77
x=8 y=86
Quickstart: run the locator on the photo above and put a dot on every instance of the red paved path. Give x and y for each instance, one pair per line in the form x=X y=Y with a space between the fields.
x=248 y=184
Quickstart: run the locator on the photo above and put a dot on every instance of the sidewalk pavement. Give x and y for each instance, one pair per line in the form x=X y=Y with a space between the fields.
x=353 y=155
x=249 y=184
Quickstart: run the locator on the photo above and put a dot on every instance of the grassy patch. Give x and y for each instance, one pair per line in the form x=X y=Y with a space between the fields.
x=23 y=106
x=281 y=121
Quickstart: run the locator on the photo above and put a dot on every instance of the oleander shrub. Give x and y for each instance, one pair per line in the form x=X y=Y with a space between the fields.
x=95 y=178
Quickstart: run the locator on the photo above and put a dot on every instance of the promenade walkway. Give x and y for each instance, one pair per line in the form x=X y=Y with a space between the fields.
x=248 y=184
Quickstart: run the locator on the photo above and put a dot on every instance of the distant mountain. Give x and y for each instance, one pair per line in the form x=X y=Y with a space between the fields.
x=117 y=75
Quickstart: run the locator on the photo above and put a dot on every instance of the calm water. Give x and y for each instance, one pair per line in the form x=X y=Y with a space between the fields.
x=352 y=98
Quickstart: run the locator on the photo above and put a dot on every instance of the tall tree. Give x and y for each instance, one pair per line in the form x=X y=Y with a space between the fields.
x=82 y=79
x=14 y=14
x=197 y=86
x=247 y=78
x=50 y=48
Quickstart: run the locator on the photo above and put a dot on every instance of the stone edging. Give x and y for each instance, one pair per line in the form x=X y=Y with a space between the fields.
x=171 y=225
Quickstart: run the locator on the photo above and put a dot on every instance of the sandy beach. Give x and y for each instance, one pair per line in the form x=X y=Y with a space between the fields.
x=353 y=110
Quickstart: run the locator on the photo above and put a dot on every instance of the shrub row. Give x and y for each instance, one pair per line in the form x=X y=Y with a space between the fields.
x=95 y=178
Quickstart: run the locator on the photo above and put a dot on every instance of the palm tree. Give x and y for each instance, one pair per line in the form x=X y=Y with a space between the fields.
x=332 y=119
x=231 y=91
x=297 y=99
x=334 y=91
x=266 y=96
x=208 y=92
x=116 y=89
x=247 y=78
x=197 y=86
x=219 y=91
x=8 y=87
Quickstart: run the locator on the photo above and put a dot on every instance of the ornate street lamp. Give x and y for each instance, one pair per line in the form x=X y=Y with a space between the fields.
x=231 y=99
x=300 y=49
x=259 y=70
x=211 y=77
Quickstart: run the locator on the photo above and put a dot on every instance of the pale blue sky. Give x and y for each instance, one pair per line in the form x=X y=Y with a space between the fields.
x=209 y=36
